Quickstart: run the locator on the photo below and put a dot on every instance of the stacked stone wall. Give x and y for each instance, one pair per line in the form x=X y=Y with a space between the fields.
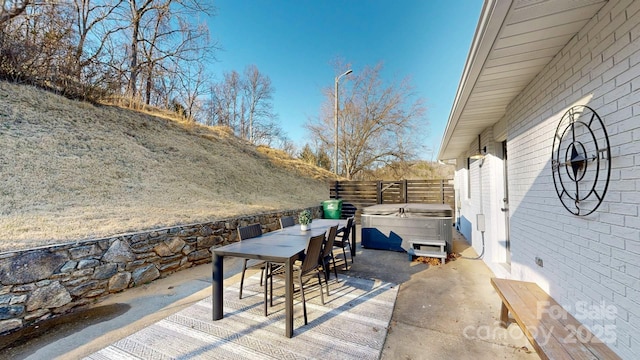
x=37 y=284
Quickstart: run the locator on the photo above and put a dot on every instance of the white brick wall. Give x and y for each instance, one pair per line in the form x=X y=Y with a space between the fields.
x=593 y=259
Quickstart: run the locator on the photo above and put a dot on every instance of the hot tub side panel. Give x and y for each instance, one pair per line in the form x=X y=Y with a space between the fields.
x=393 y=232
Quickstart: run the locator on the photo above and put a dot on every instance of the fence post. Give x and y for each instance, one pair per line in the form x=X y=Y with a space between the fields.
x=378 y=192
x=405 y=193
x=442 y=190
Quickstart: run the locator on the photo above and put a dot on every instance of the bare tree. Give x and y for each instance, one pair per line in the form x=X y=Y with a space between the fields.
x=34 y=47
x=228 y=100
x=89 y=22
x=115 y=76
x=286 y=145
x=163 y=30
x=147 y=49
x=12 y=8
x=409 y=170
x=243 y=102
x=192 y=89
x=378 y=123
x=258 y=93
x=212 y=105
x=137 y=12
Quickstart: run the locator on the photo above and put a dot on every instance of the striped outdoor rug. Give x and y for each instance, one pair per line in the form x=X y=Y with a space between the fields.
x=352 y=324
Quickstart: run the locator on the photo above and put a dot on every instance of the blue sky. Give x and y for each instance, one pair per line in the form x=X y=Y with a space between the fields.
x=294 y=42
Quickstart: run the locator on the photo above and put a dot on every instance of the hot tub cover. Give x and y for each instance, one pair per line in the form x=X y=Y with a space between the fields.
x=428 y=210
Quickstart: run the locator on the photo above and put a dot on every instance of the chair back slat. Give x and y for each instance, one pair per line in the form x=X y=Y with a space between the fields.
x=312 y=253
x=287 y=221
x=347 y=230
x=249 y=231
x=331 y=238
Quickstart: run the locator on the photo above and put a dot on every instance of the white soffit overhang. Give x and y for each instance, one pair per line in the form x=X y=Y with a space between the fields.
x=513 y=42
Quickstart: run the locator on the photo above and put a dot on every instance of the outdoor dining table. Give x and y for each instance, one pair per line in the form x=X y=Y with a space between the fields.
x=281 y=246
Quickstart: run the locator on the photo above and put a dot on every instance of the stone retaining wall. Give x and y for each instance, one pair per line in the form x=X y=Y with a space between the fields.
x=41 y=283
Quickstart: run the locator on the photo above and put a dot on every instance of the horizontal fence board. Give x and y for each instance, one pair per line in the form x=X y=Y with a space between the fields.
x=357 y=195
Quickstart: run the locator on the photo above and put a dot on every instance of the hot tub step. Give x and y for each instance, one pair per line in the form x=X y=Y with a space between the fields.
x=432 y=242
x=434 y=248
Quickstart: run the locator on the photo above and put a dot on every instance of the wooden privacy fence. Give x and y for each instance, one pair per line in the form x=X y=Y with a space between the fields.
x=356 y=195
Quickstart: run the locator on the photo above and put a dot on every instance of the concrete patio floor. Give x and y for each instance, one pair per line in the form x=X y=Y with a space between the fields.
x=441 y=312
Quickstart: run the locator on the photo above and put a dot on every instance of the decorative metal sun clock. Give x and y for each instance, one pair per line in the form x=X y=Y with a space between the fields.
x=581 y=160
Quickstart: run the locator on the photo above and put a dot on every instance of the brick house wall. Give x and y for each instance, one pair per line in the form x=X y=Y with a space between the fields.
x=589 y=262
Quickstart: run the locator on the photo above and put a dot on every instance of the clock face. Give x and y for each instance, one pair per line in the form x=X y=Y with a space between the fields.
x=581 y=160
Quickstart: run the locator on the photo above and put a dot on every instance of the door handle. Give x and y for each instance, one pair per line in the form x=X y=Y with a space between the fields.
x=504 y=209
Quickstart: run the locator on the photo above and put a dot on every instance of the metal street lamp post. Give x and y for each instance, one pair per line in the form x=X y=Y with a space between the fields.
x=335 y=123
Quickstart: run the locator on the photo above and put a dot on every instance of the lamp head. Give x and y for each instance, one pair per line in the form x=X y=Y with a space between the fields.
x=480 y=154
x=343 y=74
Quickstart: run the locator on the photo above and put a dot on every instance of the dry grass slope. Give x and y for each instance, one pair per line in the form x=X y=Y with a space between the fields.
x=71 y=170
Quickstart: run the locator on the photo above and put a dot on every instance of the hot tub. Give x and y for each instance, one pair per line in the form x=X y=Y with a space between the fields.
x=391 y=226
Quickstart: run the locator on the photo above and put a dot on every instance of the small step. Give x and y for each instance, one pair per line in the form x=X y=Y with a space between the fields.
x=428 y=248
x=433 y=254
x=432 y=242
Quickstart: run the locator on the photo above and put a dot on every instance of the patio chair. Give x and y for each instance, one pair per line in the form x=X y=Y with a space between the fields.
x=244 y=233
x=343 y=241
x=310 y=264
x=327 y=254
x=287 y=221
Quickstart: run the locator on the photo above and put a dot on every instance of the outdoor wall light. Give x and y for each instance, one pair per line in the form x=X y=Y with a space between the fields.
x=480 y=154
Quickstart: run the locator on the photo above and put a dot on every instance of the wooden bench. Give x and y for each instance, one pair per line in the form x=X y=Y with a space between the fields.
x=553 y=332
